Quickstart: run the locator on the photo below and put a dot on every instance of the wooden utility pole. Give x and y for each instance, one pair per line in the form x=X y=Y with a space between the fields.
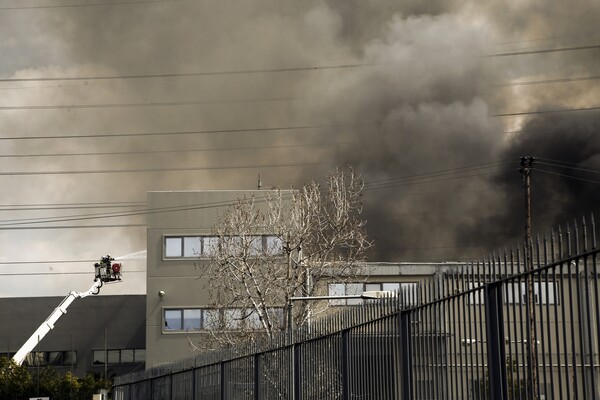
x=526 y=168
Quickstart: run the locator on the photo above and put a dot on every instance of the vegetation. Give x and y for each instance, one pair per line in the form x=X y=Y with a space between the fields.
x=17 y=382
x=316 y=236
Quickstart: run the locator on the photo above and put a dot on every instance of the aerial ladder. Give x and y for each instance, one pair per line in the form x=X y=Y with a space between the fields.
x=106 y=271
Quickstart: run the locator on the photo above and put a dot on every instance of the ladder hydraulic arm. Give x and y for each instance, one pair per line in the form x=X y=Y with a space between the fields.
x=48 y=324
x=105 y=272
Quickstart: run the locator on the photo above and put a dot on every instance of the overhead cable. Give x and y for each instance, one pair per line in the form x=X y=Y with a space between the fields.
x=188 y=74
x=595 y=108
x=547 y=81
x=146 y=170
x=194 y=132
x=117 y=3
x=527 y=52
x=217 y=149
x=566 y=176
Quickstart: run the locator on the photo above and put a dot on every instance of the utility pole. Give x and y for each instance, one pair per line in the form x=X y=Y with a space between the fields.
x=526 y=169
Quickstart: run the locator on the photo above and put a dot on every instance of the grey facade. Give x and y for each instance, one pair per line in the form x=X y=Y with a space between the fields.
x=78 y=342
x=179 y=279
x=176 y=284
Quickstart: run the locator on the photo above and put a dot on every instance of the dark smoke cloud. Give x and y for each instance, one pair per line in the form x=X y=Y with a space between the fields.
x=422 y=105
x=562 y=193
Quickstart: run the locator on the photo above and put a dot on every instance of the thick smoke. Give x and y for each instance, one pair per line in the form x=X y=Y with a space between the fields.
x=417 y=96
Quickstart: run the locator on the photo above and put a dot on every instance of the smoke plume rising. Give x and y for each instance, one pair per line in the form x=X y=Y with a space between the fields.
x=408 y=93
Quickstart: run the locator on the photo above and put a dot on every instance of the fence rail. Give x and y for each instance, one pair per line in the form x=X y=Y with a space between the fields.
x=523 y=324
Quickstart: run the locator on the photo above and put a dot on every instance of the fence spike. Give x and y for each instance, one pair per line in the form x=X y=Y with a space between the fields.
x=569 y=241
x=593 y=223
x=560 y=243
x=576 y=234
x=584 y=233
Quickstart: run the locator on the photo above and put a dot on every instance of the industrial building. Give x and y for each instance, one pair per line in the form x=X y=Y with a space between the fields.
x=101 y=334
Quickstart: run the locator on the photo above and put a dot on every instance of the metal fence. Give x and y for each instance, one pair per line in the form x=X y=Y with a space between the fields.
x=523 y=324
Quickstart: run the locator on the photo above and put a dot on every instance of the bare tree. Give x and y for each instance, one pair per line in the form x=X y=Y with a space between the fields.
x=281 y=245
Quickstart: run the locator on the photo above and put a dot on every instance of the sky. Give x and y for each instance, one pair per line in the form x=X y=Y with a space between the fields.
x=433 y=103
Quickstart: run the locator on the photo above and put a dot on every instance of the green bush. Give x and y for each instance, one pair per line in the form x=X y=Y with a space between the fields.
x=16 y=382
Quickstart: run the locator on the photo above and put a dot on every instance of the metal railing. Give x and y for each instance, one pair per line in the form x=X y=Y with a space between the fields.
x=502 y=328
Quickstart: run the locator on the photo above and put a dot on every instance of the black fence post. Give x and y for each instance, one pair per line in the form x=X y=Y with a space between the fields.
x=496 y=351
x=297 y=371
x=194 y=382
x=345 y=366
x=222 y=380
x=257 y=395
x=406 y=355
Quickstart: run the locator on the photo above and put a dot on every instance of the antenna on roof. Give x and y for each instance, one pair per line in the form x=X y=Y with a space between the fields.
x=259 y=183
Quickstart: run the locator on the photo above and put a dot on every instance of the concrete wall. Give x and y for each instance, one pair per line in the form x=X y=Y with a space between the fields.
x=180 y=279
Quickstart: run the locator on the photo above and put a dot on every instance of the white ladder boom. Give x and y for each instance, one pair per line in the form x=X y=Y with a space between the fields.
x=49 y=323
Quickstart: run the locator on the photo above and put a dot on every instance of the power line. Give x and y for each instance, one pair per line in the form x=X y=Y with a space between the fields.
x=60 y=273
x=120 y=3
x=190 y=74
x=415 y=179
x=193 y=132
x=115 y=153
x=149 y=104
x=46 y=262
x=596 y=108
x=60 y=206
x=526 y=52
x=147 y=170
x=568 y=167
x=80 y=217
x=3 y=263
x=443 y=172
x=547 y=81
x=22 y=228
x=420 y=178
x=436 y=176
x=596 y=167
x=566 y=176
x=551 y=38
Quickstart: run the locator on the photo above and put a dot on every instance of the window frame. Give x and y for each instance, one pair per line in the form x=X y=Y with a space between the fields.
x=380 y=286
x=227 y=319
x=269 y=244
x=182 y=320
x=185 y=242
x=137 y=354
x=42 y=358
x=516 y=293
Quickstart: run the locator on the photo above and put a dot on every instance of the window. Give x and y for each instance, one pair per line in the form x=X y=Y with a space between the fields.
x=53 y=358
x=273 y=245
x=476 y=297
x=547 y=294
x=119 y=356
x=232 y=318
x=517 y=293
x=192 y=319
x=197 y=319
x=114 y=356
x=253 y=320
x=211 y=319
x=406 y=289
x=173 y=247
x=206 y=246
x=190 y=246
x=127 y=356
x=99 y=357
x=188 y=319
